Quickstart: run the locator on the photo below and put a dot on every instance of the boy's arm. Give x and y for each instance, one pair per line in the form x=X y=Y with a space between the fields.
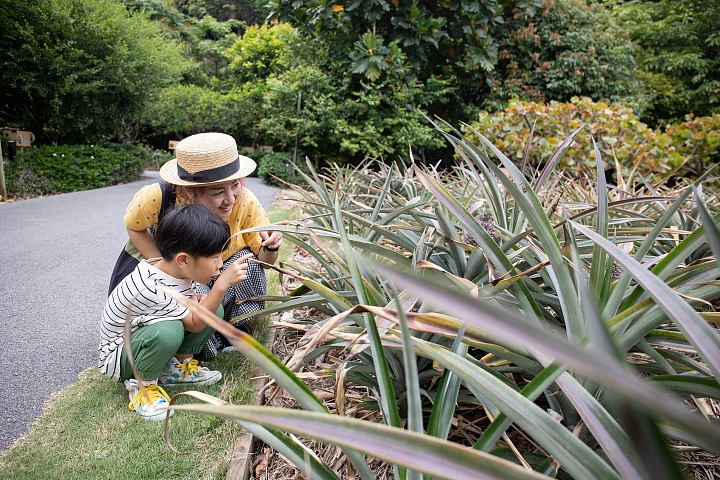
x=235 y=273
x=192 y=323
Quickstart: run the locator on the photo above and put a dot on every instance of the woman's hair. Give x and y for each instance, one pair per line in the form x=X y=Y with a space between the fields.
x=191 y=229
x=190 y=194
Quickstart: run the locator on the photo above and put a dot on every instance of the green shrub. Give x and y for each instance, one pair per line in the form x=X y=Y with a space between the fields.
x=617 y=131
x=61 y=169
x=160 y=157
x=695 y=139
x=274 y=164
x=614 y=127
x=679 y=54
x=572 y=48
x=191 y=109
x=290 y=98
x=81 y=71
x=255 y=155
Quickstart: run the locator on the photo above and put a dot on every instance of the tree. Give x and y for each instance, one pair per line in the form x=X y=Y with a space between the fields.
x=273 y=68
x=570 y=49
x=452 y=40
x=79 y=71
x=680 y=54
x=263 y=51
x=211 y=40
x=252 y=12
x=233 y=101
x=183 y=110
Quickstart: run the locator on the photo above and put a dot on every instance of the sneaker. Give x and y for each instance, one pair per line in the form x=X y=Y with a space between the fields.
x=187 y=373
x=154 y=406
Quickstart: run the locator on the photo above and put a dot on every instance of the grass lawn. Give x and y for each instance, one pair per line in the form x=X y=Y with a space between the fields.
x=87 y=432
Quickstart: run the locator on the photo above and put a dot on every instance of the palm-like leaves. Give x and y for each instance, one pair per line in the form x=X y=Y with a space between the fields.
x=611 y=273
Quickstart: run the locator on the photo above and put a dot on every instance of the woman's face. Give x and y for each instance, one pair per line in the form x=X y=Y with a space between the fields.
x=220 y=198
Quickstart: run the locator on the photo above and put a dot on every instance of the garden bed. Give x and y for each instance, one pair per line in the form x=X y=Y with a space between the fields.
x=325 y=375
x=321 y=376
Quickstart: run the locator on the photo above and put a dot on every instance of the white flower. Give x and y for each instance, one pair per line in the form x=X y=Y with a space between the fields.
x=92 y=156
x=63 y=155
x=54 y=154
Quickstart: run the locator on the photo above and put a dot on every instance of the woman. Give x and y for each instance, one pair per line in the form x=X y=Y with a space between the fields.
x=207 y=171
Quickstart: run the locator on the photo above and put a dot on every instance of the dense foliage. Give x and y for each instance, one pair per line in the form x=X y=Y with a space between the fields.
x=79 y=71
x=286 y=97
x=684 y=149
x=60 y=169
x=456 y=41
x=570 y=49
x=275 y=168
x=345 y=81
x=249 y=11
x=436 y=36
x=696 y=141
x=183 y=110
x=680 y=55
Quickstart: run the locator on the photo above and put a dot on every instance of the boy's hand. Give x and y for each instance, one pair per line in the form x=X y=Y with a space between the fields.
x=235 y=273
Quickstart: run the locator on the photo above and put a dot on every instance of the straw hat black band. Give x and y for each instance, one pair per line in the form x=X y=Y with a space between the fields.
x=206 y=159
x=212 y=175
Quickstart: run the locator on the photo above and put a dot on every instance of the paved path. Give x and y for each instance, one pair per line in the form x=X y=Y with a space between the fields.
x=56 y=256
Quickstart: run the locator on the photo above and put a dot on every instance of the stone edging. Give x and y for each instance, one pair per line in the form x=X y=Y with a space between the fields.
x=241 y=460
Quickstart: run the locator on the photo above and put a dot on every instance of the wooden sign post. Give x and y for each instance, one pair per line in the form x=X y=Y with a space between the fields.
x=3 y=190
x=22 y=138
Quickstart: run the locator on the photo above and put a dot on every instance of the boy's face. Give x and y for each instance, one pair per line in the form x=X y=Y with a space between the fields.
x=204 y=269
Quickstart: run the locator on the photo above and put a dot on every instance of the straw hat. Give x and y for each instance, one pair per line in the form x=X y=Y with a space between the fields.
x=206 y=159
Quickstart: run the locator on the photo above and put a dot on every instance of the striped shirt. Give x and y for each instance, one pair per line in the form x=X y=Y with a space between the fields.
x=138 y=299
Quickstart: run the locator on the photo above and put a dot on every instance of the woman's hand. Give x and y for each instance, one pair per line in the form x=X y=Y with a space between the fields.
x=272 y=240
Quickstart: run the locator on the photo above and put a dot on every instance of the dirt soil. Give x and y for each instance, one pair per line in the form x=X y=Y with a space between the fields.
x=320 y=377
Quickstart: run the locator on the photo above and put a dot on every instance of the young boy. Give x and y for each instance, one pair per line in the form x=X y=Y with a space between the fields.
x=165 y=334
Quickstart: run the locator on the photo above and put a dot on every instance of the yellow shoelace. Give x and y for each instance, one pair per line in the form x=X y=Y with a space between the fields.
x=154 y=392
x=190 y=367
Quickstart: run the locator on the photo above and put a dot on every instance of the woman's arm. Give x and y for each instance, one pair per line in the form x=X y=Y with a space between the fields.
x=145 y=210
x=144 y=242
x=267 y=256
x=270 y=245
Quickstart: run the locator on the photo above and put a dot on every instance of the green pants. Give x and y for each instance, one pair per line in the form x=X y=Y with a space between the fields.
x=154 y=345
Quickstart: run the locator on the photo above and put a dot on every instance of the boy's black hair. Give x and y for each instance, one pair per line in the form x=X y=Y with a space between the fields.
x=191 y=229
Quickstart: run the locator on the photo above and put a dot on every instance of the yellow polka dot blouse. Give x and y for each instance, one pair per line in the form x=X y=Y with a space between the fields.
x=247 y=212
